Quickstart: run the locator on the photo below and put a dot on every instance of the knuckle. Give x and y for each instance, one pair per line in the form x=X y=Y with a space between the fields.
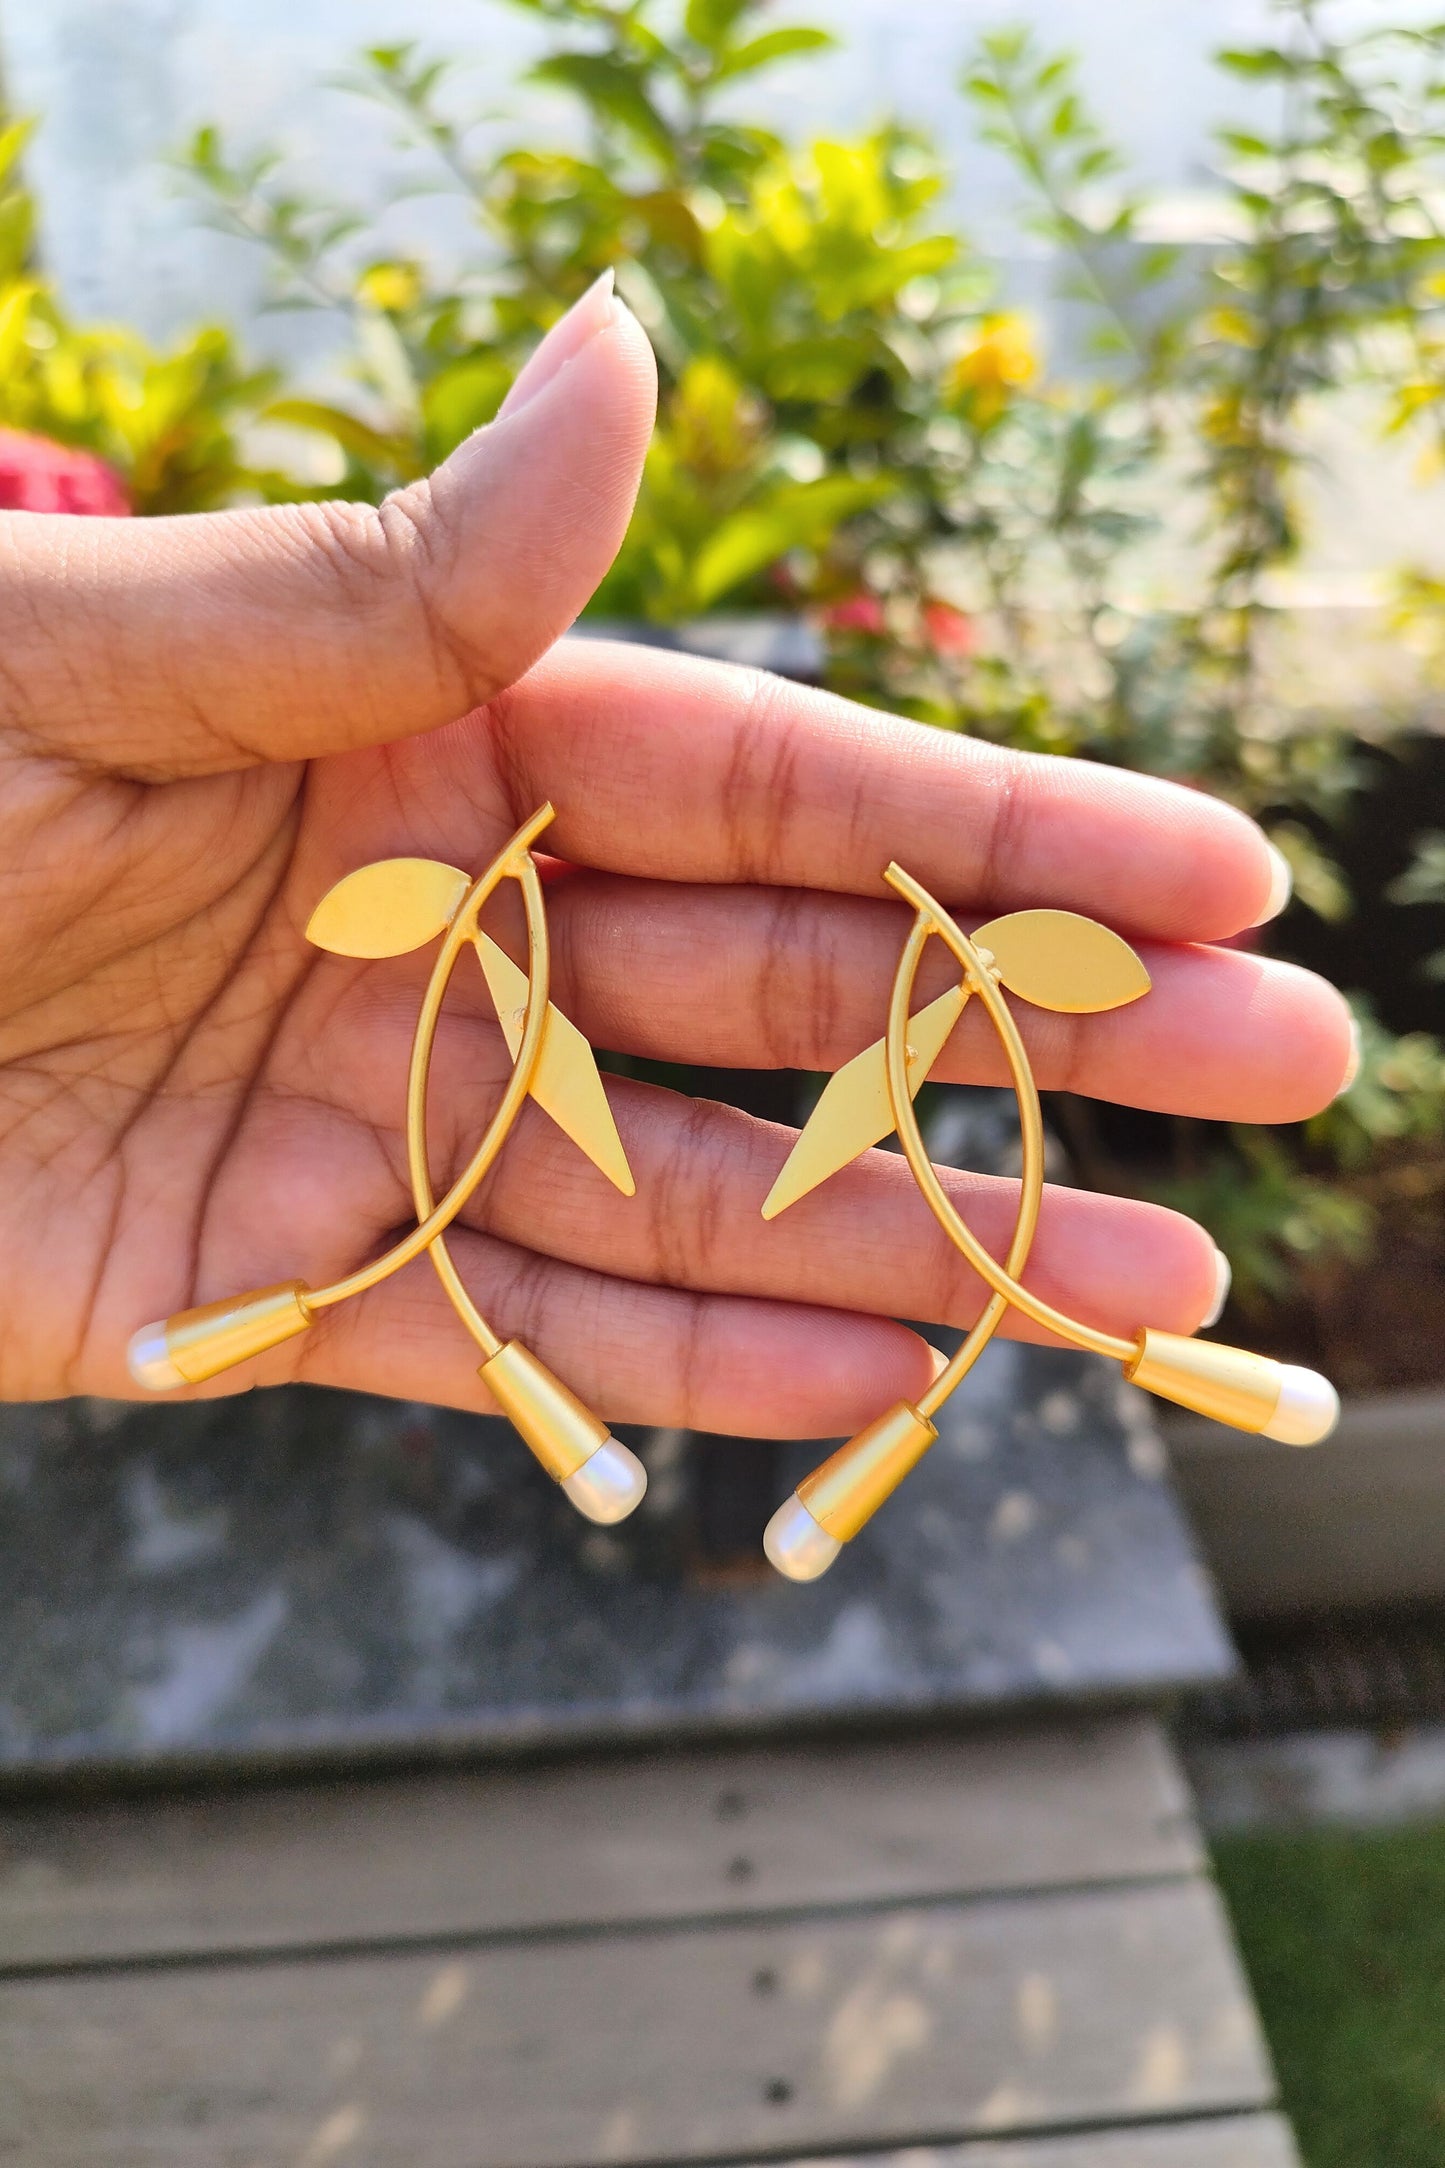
x=759 y=785
x=353 y=545
x=394 y=559
x=686 y=1242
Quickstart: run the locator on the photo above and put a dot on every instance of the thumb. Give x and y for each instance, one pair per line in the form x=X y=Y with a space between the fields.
x=183 y=646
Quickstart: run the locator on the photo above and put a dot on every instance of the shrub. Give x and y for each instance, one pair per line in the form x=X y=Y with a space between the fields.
x=167 y=424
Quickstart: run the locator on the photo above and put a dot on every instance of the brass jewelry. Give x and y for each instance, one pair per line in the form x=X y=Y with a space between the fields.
x=1055 y=960
x=385 y=910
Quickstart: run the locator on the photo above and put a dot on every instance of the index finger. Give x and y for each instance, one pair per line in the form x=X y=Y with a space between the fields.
x=680 y=769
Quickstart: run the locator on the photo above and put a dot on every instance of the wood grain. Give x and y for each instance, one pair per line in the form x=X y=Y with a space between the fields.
x=662 y=1837
x=1245 y=2141
x=907 y=2026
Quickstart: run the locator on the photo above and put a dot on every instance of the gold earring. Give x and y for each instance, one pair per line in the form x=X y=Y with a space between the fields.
x=1055 y=960
x=385 y=910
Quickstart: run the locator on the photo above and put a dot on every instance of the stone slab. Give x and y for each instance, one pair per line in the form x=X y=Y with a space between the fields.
x=301 y=1572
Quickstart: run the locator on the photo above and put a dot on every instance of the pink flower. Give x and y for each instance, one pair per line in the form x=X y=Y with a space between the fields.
x=949 y=631
x=38 y=476
x=861 y=612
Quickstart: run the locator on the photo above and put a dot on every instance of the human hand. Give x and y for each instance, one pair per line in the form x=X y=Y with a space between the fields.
x=206 y=722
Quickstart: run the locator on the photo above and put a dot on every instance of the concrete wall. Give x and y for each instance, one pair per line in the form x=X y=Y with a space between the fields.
x=120 y=84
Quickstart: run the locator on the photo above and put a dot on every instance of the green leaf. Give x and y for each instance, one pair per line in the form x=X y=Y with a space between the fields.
x=825 y=367
x=369 y=447
x=1008 y=45
x=800 y=515
x=612 y=88
x=461 y=398
x=15 y=306
x=1423 y=880
x=390 y=59
x=773 y=45
x=17 y=234
x=13 y=140
x=709 y=21
x=1319 y=884
x=1255 y=62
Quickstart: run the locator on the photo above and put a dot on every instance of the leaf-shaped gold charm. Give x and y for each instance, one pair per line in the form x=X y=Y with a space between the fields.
x=566 y=1082
x=855 y=1112
x=1058 y=960
x=387 y=908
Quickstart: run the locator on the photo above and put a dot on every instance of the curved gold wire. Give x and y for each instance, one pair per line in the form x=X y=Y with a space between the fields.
x=538 y=976
x=1001 y=1278
x=512 y=860
x=1032 y=1182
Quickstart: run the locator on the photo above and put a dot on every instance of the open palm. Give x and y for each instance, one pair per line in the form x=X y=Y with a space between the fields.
x=204 y=723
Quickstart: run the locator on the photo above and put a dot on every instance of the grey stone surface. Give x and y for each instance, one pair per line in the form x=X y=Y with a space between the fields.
x=300 y=1572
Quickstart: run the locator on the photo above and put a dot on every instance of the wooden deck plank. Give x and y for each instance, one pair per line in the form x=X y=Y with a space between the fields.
x=655 y=1838
x=1245 y=2141
x=895 y=2028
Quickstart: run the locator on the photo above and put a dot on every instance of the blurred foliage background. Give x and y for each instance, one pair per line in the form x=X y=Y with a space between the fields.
x=856 y=426
x=169 y=423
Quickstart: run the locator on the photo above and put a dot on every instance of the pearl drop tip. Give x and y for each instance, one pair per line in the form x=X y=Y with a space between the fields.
x=796 y=1545
x=148 y=1359
x=609 y=1486
x=1307 y=1410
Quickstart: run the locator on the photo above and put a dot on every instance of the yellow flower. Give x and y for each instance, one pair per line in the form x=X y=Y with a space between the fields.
x=1234 y=327
x=1001 y=361
x=391 y=287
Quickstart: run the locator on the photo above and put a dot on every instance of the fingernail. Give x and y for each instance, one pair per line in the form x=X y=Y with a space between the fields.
x=567 y=337
x=1222 y=1278
x=1281 y=885
x=1352 y=1066
x=940 y=1363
